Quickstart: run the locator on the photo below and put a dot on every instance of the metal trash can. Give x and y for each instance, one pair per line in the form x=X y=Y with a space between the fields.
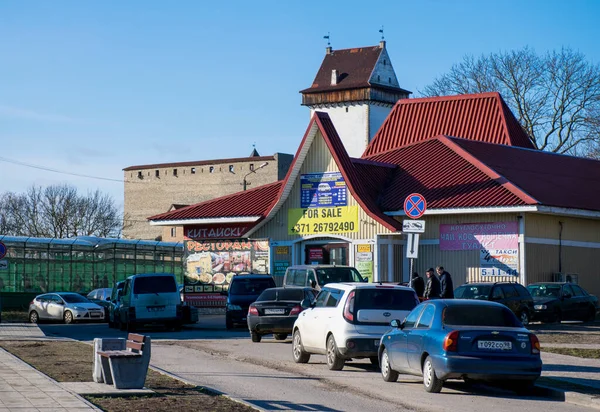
x=103 y=344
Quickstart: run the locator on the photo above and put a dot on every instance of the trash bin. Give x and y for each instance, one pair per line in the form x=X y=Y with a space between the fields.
x=104 y=344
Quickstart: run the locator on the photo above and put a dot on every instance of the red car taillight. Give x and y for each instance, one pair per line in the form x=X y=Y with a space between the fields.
x=252 y=311
x=349 y=308
x=451 y=341
x=295 y=310
x=535 y=344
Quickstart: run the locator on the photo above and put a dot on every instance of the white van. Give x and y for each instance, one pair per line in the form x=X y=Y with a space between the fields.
x=150 y=299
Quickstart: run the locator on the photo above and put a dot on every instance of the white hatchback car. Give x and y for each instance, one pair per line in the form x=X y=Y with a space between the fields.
x=346 y=321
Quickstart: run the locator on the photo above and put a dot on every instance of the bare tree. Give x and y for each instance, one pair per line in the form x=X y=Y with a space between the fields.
x=59 y=212
x=556 y=97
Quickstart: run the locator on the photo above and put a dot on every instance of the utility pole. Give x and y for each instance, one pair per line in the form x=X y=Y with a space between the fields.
x=244 y=182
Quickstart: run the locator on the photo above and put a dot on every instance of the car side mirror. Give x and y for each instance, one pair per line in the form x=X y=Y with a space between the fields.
x=60 y=303
x=567 y=296
x=365 y=280
x=396 y=324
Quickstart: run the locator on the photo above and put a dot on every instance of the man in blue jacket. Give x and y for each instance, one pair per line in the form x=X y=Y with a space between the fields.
x=447 y=289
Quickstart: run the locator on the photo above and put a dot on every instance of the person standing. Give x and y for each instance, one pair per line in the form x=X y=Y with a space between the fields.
x=432 y=289
x=417 y=283
x=447 y=288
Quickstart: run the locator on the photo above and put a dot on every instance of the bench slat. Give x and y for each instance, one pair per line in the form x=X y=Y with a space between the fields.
x=134 y=345
x=136 y=337
x=119 y=354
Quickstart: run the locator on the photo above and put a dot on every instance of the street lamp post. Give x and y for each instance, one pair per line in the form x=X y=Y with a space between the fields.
x=245 y=183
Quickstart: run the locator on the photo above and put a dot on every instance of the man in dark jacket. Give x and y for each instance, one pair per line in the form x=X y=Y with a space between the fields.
x=418 y=284
x=447 y=289
x=432 y=289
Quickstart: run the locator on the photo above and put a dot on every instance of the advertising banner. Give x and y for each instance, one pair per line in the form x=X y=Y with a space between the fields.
x=323 y=220
x=225 y=231
x=323 y=190
x=280 y=267
x=211 y=264
x=497 y=243
x=363 y=261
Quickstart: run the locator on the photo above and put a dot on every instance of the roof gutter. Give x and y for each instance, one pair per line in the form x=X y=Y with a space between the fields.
x=563 y=211
x=205 y=221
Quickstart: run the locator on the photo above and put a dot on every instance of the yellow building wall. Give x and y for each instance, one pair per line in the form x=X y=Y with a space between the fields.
x=547 y=226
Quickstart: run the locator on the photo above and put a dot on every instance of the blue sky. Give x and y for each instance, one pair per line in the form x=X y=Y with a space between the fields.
x=92 y=87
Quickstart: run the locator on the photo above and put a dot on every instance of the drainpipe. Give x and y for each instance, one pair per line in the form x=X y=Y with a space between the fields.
x=560 y=247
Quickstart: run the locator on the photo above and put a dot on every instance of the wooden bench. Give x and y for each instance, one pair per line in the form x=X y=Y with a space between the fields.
x=128 y=368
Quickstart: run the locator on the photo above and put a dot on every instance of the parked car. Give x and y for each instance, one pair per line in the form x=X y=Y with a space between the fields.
x=513 y=295
x=556 y=301
x=244 y=290
x=101 y=297
x=276 y=310
x=317 y=276
x=150 y=298
x=347 y=320
x=64 y=306
x=461 y=339
x=114 y=305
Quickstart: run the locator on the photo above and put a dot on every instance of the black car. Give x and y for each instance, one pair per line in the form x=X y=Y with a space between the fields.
x=512 y=295
x=276 y=310
x=556 y=301
x=244 y=290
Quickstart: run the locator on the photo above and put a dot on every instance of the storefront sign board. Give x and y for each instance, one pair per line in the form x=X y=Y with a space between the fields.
x=316 y=221
x=282 y=250
x=215 y=231
x=363 y=262
x=323 y=190
x=280 y=267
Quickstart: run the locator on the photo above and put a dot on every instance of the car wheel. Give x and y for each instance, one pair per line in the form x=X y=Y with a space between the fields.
x=34 y=317
x=300 y=356
x=430 y=380
x=228 y=322
x=68 y=317
x=557 y=316
x=281 y=336
x=374 y=360
x=524 y=317
x=387 y=373
x=255 y=336
x=591 y=316
x=334 y=361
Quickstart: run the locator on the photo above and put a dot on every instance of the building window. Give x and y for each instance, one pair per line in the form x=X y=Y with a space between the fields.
x=193 y=170
x=346 y=109
x=140 y=175
x=148 y=174
x=231 y=168
x=175 y=172
x=211 y=169
x=173 y=231
x=251 y=167
x=378 y=78
x=384 y=62
x=389 y=80
x=157 y=173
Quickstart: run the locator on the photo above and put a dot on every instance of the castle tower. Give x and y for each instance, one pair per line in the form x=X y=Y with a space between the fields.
x=357 y=88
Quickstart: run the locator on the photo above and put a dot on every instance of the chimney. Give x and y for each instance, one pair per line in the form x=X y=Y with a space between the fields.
x=382 y=44
x=334 y=77
x=328 y=50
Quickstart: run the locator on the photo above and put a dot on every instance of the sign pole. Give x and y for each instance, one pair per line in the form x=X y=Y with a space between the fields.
x=411 y=269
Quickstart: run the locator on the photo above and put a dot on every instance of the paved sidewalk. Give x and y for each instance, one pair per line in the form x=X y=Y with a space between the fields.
x=23 y=388
x=580 y=371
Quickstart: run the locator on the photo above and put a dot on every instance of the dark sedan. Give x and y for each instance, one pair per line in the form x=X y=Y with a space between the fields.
x=557 y=301
x=461 y=339
x=276 y=310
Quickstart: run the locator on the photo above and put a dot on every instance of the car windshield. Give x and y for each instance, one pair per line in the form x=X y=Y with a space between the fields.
x=469 y=315
x=544 y=291
x=250 y=286
x=74 y=298
x=154 y=284
x=337 y=275
x=390 y=299
x=473 y=292
x=281 y=294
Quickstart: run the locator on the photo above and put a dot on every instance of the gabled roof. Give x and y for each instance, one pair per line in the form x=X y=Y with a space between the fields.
x=249 y=203
x=483 y=117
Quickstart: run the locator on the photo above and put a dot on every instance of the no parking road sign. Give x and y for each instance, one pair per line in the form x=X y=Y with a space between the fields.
x=415 y=205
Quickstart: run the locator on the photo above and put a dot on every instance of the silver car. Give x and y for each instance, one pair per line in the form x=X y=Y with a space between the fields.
x=64 y=306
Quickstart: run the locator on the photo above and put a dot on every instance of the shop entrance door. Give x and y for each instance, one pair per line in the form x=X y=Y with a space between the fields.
x=327 y=254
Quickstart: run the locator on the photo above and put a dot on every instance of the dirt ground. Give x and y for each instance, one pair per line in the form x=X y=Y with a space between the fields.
x=581 y=353
x=10 y=316
x=567 y=333
x=73 y=362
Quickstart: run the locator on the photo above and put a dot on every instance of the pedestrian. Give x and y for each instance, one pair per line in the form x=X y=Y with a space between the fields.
x=432 y=289
x=447 y=289
x=417 y=283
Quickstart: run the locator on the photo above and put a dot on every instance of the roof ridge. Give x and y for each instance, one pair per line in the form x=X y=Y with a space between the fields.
x=403 y=147
x=470 y=96
x=360 y=160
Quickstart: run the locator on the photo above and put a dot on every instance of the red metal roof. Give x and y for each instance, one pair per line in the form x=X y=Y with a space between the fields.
x=253 y=202
x=447 y=180
x=552 y=179
x=484 y=117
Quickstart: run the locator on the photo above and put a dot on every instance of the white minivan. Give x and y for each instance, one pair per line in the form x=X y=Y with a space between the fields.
x=151 y=298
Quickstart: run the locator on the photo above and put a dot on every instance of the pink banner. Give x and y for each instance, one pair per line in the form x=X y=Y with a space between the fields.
x=476 y=236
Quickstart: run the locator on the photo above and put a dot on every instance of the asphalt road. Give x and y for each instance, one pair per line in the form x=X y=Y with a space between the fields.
x=265 y=375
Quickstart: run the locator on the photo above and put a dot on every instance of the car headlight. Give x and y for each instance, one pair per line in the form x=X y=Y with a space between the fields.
x=233 y=307
x=78 y=308
x=540 y=307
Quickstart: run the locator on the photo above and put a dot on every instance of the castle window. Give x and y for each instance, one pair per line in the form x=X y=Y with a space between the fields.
x=175 y=172
x=157 y=173
x=231 y=168
x=251 y=166
x=384 y=62
x=148 y=174
x=390 y=80
x=140 y=175
x=193 y=171
x=346 y=109
x=211 y=169
x=173 y=231
x=378 y=78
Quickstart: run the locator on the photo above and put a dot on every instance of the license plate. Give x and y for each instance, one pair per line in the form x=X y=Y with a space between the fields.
x=95 y=315
x=156 y=308
x=494 y=345
x=274 y=311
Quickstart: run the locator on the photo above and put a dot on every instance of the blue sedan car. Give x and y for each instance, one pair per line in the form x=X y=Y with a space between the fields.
x=461 y=339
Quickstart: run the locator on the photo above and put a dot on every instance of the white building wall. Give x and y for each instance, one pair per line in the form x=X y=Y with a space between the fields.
x=352 y=124
x=377 y=115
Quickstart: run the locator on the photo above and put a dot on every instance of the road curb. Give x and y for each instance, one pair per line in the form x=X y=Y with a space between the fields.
x=216 y=391
x=576 y=398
